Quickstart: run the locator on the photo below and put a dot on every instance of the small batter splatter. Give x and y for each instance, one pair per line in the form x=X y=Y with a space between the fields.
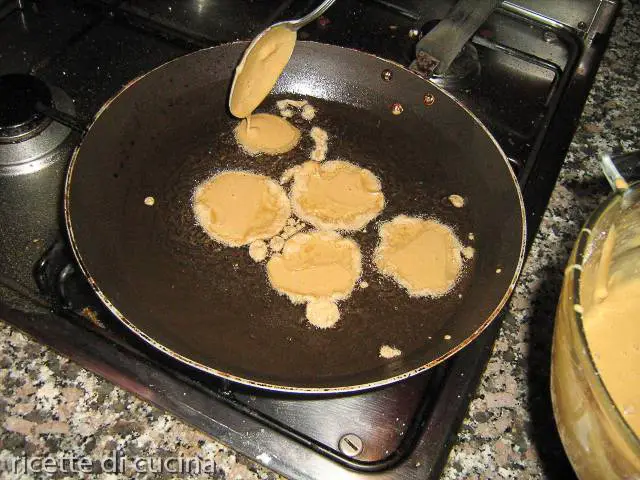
x=276 y=243
x=258 y=250
x=468 y=252
x=321 y=139
x=322 y=313
x=387 y=351
x=456 y=200
x=308 y=112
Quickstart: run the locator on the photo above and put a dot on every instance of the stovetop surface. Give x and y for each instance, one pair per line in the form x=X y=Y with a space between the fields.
x=90 y=49
x=523 y=62
x=388 y=420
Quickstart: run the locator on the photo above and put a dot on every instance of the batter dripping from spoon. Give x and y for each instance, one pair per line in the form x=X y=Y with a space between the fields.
x=255 y=76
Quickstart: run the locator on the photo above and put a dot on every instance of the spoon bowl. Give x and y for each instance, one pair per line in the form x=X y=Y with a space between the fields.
x=264 y=60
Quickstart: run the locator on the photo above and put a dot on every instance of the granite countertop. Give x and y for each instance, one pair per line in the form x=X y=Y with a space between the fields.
x=49 y=406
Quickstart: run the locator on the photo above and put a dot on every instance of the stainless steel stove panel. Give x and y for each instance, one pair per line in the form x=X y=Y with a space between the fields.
x=381 y=425
x=575 y=14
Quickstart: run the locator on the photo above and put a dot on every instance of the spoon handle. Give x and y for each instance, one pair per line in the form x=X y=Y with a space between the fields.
x=310 y=17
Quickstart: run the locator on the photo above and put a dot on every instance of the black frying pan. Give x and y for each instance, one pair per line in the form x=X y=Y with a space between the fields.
x=211 y=306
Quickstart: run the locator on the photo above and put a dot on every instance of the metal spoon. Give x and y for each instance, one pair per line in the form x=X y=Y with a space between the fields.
x=291 y=25
x=296 y=25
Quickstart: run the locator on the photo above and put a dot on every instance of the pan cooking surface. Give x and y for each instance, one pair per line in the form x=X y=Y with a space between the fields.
x=212 y=305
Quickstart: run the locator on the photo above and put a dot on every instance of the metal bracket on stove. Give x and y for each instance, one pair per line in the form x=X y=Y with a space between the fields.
x=436 y=51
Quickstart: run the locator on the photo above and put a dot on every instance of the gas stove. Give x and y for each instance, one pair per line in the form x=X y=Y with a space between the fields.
x=525 y=73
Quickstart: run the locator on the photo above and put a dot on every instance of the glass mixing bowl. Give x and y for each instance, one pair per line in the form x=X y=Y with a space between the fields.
x=596 y=437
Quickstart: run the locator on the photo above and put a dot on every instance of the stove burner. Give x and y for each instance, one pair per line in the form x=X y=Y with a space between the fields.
x=29 y=139
x=19 y=117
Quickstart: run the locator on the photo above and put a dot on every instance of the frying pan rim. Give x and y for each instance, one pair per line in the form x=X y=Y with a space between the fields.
x=278 y=387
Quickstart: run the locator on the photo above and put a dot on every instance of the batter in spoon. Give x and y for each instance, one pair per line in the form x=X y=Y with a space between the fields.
x=255 y=76
x=259 y=69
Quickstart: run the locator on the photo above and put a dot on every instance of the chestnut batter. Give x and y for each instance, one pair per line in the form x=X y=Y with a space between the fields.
x=423 y=256
x=259 y=69
x=258 y=250
x=456 y=200
x=613 y=334
x=276 y=244
x=322 y=313
x=238 y=207
x=612 y=328
x=468 y=252
x=387 y=351
x=321 y=140
x=318 y=268
x=286 y=108
x=255 y=76
x=266 y=133
x=336 y=195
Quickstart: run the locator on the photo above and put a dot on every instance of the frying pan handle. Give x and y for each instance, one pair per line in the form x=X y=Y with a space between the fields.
x=438 y=49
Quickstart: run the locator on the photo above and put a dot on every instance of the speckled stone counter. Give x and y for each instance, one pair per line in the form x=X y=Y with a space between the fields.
x=50 y=407
x=510 y=431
